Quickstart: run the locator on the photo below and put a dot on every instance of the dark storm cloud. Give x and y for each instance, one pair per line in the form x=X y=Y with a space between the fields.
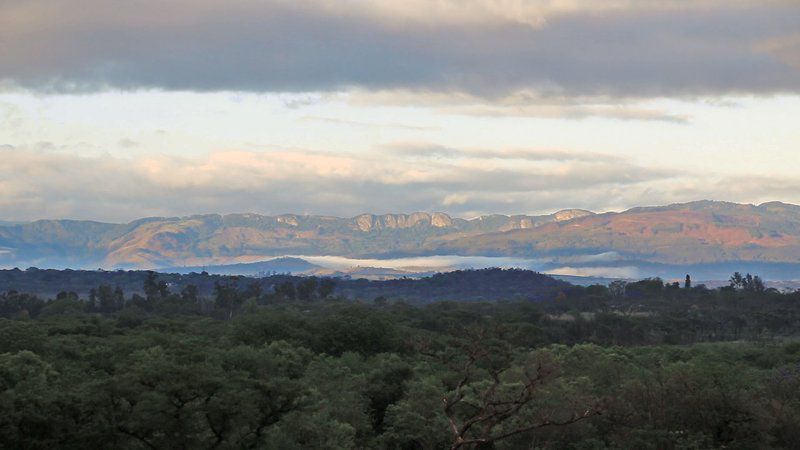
x=686 y=49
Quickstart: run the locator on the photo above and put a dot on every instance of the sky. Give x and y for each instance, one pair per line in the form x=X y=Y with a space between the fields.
x=114 y=110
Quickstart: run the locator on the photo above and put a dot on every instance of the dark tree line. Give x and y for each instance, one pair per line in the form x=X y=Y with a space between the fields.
x=228 y=298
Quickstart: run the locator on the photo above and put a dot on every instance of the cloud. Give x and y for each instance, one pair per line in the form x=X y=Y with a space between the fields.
x=523 y=103
x=359 y=124
x=10 y=117
x=751 y=188
x=484 y=48
x=37 y=180
x=629 y=272
x=455 y=199
x=127 y=143
x=440 y=151
x=274 y=182
x=785 y=48
x=569 y=112
x=439 y=262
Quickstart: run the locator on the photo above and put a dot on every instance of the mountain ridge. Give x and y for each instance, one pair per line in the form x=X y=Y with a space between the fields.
x=681 y=233
x=197 y=239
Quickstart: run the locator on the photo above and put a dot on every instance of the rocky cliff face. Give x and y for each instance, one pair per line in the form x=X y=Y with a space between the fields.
x=569 y=214
x=369 y=222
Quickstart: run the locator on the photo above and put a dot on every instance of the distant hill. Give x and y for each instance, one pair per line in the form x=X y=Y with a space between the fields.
x=284 y=265
x=708 y=237
x=460 y=285
x=691 y=233
x=297 y=266
x=215 y=239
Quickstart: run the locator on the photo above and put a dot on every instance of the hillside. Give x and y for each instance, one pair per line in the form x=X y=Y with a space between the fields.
x=691 y=233
x=216 y=239
x=284 y=265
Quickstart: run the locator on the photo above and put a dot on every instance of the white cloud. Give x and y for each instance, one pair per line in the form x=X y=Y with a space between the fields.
x=605 y=272
x=52 y=184
x=524 y=103
x=114 y=188
x=455 y=199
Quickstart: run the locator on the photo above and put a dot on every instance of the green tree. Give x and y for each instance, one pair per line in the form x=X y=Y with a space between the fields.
x=151 y=287
x=326 y=287
x=107 y=301
x=29 y=412
x=190 y=293
x=306 y=289
x=227 y=298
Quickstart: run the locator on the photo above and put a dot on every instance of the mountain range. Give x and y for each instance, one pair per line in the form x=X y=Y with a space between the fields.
x=206 y=239
x=688 y=234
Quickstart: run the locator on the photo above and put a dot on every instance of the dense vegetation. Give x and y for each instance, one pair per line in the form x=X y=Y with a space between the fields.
x=298 y=365
x=490 y=284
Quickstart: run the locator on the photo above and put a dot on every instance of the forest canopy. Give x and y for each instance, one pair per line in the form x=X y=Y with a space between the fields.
x=302 y=363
